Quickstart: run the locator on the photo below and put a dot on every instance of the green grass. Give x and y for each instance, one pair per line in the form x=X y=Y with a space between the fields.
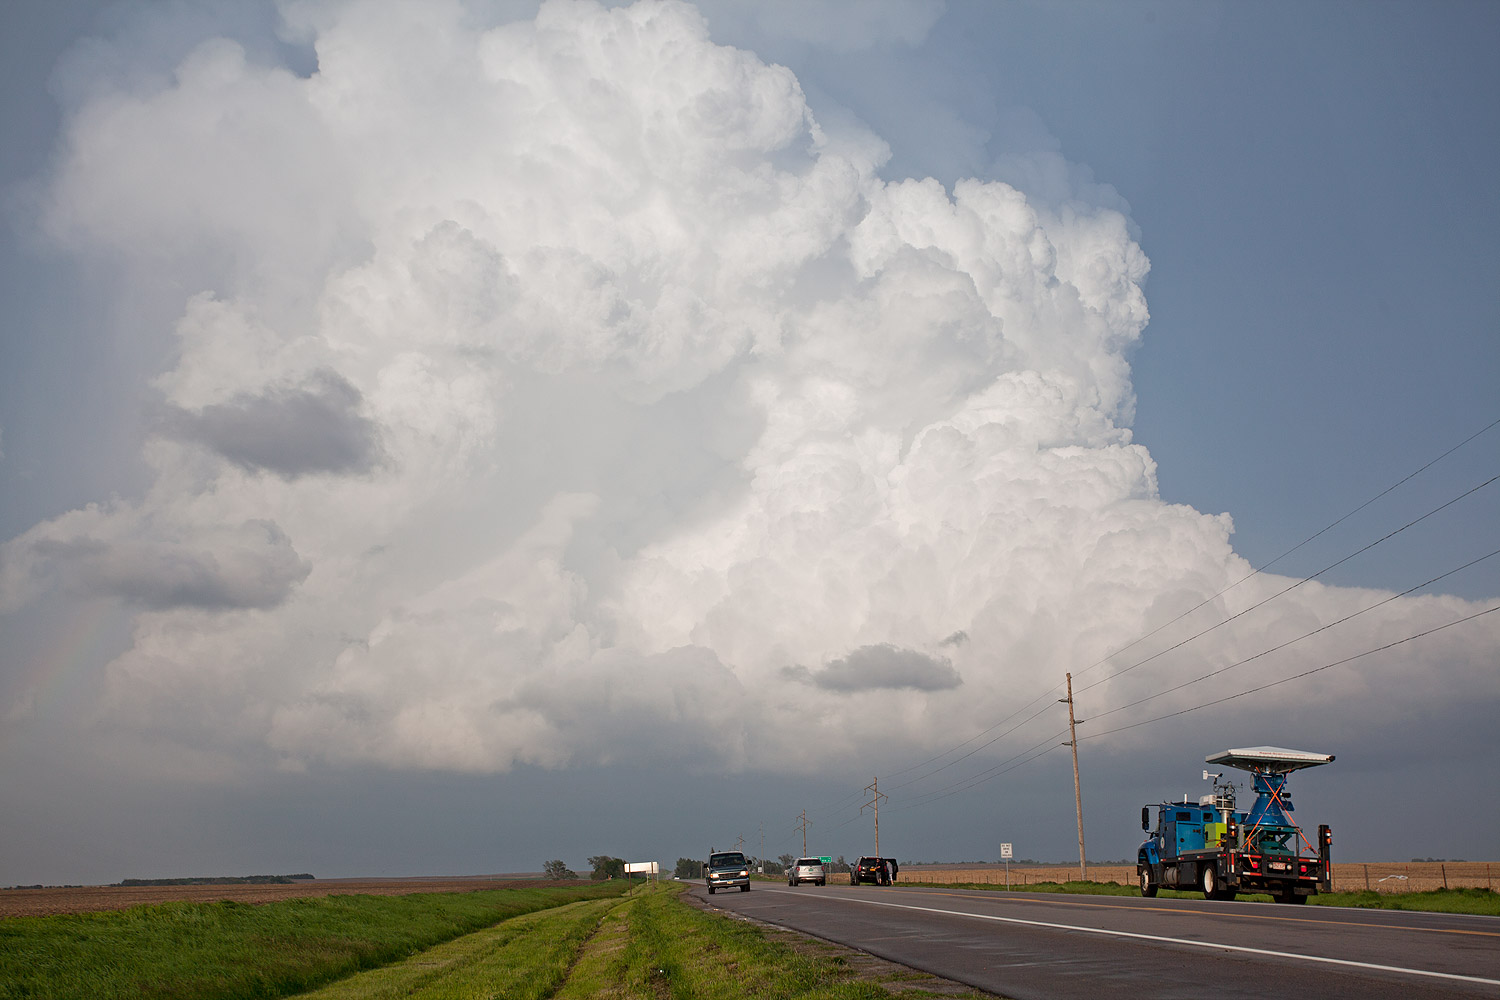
x=1481 y=902
x=526 y=958
x=217 y=951
x=649 y=945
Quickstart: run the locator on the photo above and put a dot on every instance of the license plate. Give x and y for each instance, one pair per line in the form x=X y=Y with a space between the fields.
x=1277 y=866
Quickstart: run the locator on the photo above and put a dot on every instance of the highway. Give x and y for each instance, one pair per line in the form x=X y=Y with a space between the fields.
x=1058 y=947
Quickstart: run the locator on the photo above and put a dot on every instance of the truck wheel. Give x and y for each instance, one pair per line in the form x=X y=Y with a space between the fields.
x=1148 y=888
x=1208 y=881
x=744 y=888
x=710 y=890
x=791 y=881
x=1290 y=897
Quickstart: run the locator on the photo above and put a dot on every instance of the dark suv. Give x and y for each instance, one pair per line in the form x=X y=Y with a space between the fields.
x=879 y=871
x=727 y=869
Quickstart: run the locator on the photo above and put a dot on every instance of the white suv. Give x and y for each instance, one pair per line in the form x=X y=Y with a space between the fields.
x=806 y=870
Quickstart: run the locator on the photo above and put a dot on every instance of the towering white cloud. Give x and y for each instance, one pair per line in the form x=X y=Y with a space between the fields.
x=558 y=391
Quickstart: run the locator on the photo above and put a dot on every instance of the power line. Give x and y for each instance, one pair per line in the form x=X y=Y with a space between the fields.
x=1305 y=635
x=1023 y=758
x=1265 y=566
x=1295 y=677
x=1287 y=590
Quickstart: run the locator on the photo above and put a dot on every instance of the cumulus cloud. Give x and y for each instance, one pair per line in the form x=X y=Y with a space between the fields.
x=883 y=665
x=288 y=430
x=549 y=386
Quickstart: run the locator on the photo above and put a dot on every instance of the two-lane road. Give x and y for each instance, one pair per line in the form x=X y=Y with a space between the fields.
x=1044 y=945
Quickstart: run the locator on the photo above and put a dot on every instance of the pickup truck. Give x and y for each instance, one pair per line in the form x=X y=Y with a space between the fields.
x=726 y=870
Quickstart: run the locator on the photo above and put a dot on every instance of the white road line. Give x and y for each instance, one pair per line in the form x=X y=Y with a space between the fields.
x=1170 y=940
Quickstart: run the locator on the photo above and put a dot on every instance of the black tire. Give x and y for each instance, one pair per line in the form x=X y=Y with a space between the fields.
x=1290 y=897
x=710 y=890
x=1208 y=881
x=853 y=880
x=744 y=888
x=822 y=881
x=1148 y=887
x=791 y=882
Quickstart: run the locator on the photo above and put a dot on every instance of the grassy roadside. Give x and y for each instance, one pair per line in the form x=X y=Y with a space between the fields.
x=217 y=951
x=649 y=945
x=1478 y=902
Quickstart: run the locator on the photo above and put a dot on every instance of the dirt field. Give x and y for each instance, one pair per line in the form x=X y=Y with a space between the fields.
x=1349 y=876
x=39 y=902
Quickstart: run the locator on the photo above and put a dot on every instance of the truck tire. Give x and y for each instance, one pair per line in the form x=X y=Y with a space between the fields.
x=1148 y=887
x=710 y=890
x=1208 y=881
x=1290 y=897
x=744 y=888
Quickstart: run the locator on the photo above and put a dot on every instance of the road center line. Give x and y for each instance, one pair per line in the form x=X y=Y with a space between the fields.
x=1171 y=940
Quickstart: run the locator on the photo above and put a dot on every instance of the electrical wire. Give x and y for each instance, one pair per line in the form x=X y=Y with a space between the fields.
x=1277 y=648
x=1287 y=590
x=1294 y=677
x=1265 y=566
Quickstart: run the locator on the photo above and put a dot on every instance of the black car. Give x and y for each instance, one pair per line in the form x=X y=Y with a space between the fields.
x=727 y=870
x=878 y=871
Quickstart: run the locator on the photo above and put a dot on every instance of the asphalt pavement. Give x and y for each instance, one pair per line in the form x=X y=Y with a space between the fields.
x=1062 y=947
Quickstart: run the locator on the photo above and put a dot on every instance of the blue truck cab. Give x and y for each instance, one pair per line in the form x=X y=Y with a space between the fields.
x=1208 y=846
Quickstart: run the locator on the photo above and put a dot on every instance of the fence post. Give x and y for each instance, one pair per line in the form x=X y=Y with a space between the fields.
x=1444 y=870
x=1367 y=878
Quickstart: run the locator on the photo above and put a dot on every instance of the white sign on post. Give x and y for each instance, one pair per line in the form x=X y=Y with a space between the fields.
x=1005 y=852
x=642 y=868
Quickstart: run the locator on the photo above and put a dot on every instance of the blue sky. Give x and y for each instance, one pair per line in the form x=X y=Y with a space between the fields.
x=1312 y=187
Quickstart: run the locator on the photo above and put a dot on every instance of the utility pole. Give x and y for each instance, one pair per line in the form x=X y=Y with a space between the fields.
x=760 y=862
x=803 y=827
x=1083 y=870
x=874 y=787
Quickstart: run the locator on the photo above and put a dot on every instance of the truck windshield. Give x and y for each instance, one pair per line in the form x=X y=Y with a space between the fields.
x=723 y=860
x=1274 y=841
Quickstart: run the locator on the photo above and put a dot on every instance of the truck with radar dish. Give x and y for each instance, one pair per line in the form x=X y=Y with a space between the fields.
x=1209 y=847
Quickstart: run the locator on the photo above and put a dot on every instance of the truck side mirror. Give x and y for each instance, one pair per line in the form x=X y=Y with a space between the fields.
x=1145 y=817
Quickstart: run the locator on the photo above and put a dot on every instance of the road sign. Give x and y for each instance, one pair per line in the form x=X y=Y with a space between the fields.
x=1005 y=852
x=825 y=859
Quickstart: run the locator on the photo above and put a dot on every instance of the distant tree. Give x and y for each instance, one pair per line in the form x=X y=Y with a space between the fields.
x=557 y=871
x=786 y=860
x=606 y=867
x=688 y=868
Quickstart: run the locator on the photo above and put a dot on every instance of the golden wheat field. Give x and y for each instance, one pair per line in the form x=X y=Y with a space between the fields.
x=1348 y=876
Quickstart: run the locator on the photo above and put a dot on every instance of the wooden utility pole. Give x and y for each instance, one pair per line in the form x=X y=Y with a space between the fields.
x=874 y=787
x=802 y=825
x=1083 y=869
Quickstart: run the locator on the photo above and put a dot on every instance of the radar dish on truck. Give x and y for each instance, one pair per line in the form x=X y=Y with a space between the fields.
x=1209 y=845
x=1276 y=760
